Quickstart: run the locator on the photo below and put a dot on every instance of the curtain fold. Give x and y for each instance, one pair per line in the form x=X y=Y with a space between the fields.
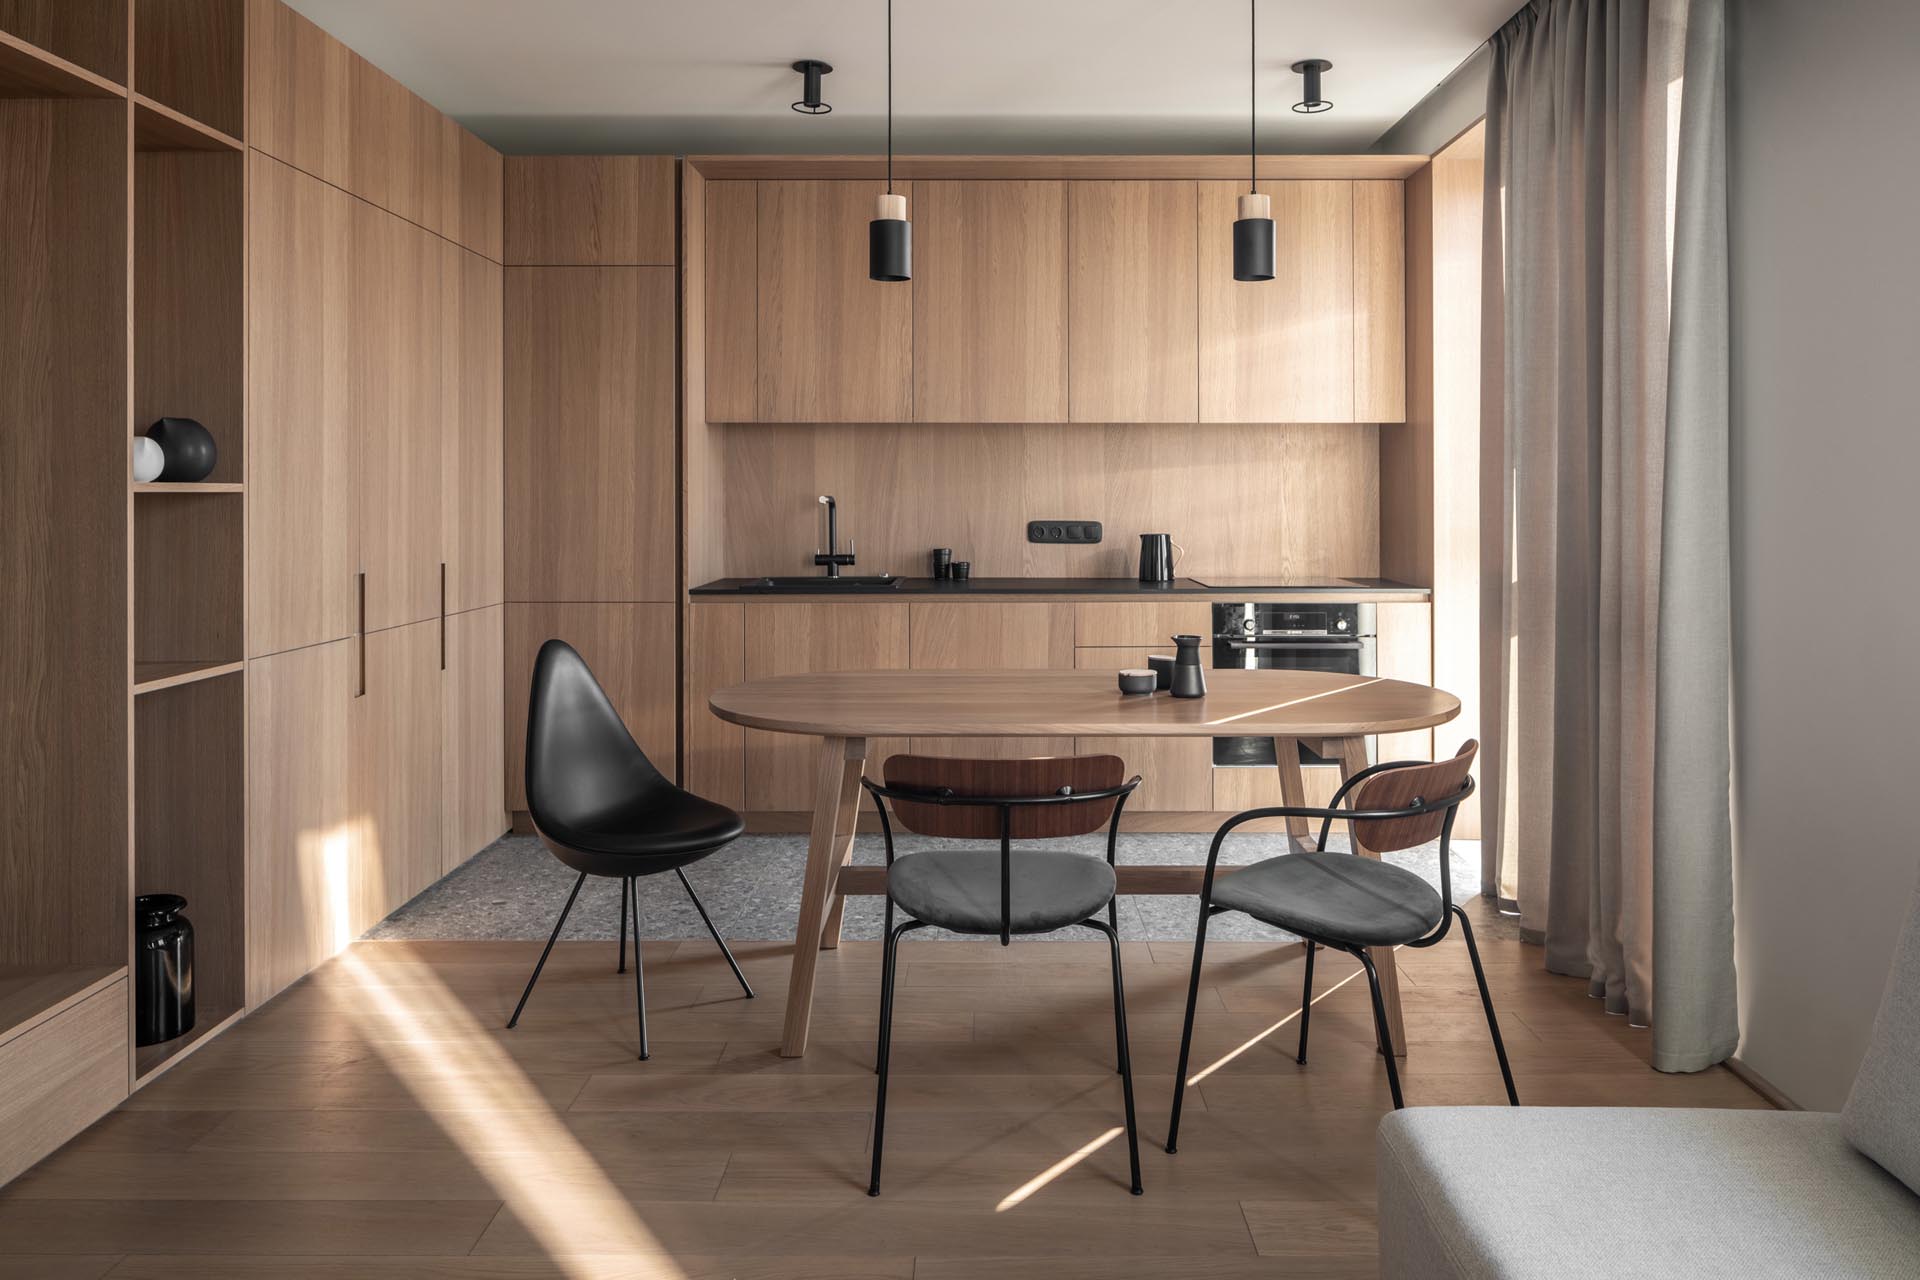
x=1604 y=492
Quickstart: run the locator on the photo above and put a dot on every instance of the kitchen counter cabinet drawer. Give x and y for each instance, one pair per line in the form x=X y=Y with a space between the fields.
x=62 y=1075
x=1103 y=624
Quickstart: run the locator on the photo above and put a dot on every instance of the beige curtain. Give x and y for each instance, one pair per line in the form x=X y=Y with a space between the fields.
x=1604 y=507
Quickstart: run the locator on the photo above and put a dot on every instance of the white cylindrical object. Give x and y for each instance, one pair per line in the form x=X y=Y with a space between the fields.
x=891 y=206
x=1256 y=206
x=148 y=460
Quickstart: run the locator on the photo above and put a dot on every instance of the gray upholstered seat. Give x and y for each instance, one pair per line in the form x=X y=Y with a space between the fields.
x=959 y=889
x=1334 y=897
x=1574 y=1192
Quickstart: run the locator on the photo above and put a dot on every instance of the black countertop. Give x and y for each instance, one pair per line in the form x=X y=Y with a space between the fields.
x=1118 y=588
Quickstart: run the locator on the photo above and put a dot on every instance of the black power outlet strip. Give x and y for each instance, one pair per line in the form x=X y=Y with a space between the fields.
x=1063 y=531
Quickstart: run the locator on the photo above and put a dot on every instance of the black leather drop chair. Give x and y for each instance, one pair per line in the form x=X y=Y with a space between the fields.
x=603 y=809
x=1350 y=903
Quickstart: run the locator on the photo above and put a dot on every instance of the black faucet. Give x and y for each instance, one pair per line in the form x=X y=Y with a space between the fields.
x=833 y=558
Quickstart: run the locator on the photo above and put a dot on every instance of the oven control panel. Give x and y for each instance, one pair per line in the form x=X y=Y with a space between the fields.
x=1255 y=621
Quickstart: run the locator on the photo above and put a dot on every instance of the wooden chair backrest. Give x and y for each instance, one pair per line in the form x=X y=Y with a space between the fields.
x=1041 y=776
x=1398 y=788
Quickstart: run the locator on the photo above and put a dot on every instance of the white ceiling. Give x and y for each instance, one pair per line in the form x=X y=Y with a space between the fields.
x=969 y=75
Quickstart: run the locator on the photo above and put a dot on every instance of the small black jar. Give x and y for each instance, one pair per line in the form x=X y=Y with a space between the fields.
x=162 y=968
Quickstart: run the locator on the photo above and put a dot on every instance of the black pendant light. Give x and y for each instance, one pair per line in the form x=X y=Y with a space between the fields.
x=1253 y=229
x=890 y=235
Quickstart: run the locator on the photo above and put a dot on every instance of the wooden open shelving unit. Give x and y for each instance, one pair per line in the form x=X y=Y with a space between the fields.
x=187 y=560
x=122 y=672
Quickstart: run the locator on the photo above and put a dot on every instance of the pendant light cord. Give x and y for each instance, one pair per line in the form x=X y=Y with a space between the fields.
x=889 y=97
x=1253 y=98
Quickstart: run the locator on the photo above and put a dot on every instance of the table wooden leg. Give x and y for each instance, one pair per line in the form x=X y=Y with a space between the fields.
x=1352 y=753
x=840 y=760
x=845 y=827
x=1293 y=792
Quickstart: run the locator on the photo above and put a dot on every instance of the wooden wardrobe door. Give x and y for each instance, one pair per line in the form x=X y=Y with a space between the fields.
x=300 y=522
x=471 y=440
x=394 y=391
x=473 y=748
x=394 y=736
x=300 y=825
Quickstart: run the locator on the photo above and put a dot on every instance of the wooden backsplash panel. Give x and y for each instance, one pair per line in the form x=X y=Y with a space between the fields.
x=1292 y=500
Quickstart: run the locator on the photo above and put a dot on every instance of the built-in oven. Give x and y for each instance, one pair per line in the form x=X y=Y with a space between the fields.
x=1293 y=637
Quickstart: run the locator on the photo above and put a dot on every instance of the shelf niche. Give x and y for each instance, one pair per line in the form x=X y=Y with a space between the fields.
x=189 y=836
x=191 y=56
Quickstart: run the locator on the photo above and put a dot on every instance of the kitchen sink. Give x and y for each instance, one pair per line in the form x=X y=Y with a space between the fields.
x=821 y=583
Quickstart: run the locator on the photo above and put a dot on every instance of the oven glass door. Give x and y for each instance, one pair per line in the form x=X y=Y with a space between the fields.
x=1344 y=656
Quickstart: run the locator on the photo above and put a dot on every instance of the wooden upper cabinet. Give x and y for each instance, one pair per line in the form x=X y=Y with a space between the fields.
x=1133 y=301
x=471 y=433
x=298 y=92
x=394 y=399
x=1280 y=350
x=590 y=475
x=301 y=554
x=733 y=299
x=1379 y=302
x=990 y=302
x=471 y=192
x=590 y=211
x=831 y=344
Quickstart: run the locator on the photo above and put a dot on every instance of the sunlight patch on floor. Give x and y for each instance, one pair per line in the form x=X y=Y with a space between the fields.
x=1231 y=1054
x=484 y=1102
x=1020 y=1194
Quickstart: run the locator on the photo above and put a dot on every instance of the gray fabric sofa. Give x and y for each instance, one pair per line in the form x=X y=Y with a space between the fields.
x=1473 y=1192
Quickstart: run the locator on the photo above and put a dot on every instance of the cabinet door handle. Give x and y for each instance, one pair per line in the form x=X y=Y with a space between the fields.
x=360 y=630
x=443 y=615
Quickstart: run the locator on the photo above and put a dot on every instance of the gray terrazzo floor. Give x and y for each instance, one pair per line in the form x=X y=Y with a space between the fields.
x=515 y=889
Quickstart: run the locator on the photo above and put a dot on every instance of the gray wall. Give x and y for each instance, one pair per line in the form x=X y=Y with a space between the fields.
x=1824 y=186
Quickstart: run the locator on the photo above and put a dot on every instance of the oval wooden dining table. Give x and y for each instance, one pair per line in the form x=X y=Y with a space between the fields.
x=1332 y=714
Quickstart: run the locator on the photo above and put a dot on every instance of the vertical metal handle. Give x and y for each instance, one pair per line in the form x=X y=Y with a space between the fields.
x=443 y=615
x=360 y=630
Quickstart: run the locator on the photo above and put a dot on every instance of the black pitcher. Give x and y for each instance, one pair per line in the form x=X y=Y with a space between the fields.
x=162 y=968
x=1189 y=677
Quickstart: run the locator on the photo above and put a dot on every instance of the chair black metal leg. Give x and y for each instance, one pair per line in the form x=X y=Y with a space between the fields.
x=707 y=920
x=622 y=968
x=1306 y=1004
x=1113 y=915
x=1186 y=1034
x=1126 y=1060
x=639 y=972
x=1380 y=1026
x=557 y=926
x=885 y=1049
x=1486 y=1002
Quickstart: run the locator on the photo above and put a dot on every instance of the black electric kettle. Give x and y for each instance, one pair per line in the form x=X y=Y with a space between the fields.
x=1156 y=557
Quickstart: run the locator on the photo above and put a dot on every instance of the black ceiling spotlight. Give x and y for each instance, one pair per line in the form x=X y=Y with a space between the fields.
x=890 y=235
x=1311 y=103
x=810 y=104
x=1253 y=229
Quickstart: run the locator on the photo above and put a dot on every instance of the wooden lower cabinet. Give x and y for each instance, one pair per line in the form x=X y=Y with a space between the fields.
x=62 y=1074
x=715 y=763
x=300 y=828
x=473 y=743
x=786 y=639
x=947 y=636
x=1404 y=651
x=1128 y=623
x=630 y=648
x=394 y=774
x=1175 y=773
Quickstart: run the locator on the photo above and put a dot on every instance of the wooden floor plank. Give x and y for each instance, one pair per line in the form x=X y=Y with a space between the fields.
x=378 y=1121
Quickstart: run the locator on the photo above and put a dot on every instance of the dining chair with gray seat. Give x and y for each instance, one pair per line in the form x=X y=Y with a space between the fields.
x=1349 y=902
x=1005 y=891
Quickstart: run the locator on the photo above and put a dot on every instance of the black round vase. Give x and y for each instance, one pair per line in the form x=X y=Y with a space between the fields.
x=162 y=968
x=188 y=448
